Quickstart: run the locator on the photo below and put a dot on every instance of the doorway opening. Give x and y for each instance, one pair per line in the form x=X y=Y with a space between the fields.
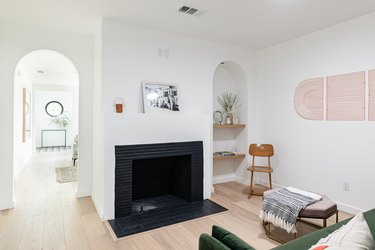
x=46 y=105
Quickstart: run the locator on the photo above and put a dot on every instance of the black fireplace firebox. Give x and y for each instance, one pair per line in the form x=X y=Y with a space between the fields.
x=152 y=170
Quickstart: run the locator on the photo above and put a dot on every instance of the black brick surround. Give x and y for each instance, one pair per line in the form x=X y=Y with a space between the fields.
x=125 y=155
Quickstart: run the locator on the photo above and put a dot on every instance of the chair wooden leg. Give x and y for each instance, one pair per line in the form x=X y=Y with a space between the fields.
x=270 y=179
x=251 y=184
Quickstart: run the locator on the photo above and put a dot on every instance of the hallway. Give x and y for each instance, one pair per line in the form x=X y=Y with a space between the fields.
x=47 y=213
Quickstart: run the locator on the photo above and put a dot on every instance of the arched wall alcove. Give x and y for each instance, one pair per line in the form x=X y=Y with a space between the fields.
x=39 y=76
x=229 y=76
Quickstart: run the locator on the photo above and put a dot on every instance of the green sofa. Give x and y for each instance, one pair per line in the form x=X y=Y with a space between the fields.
x=222 y=239
x=206 y=242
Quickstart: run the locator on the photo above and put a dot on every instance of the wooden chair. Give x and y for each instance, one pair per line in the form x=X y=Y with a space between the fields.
x=260 y=150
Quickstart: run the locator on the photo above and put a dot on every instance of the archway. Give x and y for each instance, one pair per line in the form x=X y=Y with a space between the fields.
x=46 y=92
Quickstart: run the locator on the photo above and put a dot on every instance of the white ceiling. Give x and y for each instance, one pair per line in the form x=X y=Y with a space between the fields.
x=56 y=68
x=253 y=24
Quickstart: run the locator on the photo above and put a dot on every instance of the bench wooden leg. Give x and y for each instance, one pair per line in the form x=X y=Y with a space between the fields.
x=337 y=216
x=324 y=222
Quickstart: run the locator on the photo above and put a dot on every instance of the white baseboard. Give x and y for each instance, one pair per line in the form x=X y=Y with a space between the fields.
x=349 y=209
x=242 y=180
x=83 y=193
x=245 y=181
x=6 y=205
x=223 y=178
x=97 y=210
x=274 y=185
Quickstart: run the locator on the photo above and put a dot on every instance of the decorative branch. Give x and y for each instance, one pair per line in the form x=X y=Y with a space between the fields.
x=228 y=102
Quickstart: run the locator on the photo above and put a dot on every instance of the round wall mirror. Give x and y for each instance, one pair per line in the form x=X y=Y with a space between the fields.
x=54 y=108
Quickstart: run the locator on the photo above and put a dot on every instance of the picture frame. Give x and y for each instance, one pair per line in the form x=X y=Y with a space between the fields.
x=160 y=97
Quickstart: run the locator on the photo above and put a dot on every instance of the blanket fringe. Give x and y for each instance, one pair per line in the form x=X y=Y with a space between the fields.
x=277 y=221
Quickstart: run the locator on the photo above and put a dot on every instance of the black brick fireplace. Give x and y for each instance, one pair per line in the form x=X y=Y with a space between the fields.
x=149 y=170
x=158 y=185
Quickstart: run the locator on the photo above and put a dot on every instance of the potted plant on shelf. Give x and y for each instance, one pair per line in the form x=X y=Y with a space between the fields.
x=229 y=103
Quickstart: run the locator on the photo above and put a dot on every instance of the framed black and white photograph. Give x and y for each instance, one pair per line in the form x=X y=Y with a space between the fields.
x=160 y=97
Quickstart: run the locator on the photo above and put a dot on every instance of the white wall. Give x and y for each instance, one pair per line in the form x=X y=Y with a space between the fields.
x=43 y=120
x=318 y=155
x=129 y=56
x=99 y=168
x=67 y=96
x=22 y=150
x=16 y=42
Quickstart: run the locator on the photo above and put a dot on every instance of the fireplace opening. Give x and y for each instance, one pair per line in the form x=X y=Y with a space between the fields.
x=162 y=176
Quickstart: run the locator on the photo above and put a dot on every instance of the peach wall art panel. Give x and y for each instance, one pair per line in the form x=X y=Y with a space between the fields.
x=371 y=95
x=308 y=99
x=346 y=97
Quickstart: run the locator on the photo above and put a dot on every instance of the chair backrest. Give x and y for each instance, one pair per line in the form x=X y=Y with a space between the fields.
x=263 y=150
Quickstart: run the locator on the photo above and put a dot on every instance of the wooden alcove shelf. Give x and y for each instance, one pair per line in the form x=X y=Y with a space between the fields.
x=236 y=156
x=229 y=126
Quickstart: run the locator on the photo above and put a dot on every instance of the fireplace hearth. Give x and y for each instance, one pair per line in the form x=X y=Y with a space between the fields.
x=158 y=185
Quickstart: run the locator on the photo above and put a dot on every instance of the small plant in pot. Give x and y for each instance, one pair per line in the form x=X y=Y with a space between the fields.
x=62 y=120
x=229 y=103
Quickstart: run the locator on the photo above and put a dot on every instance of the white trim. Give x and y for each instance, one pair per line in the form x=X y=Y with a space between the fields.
x=223 y=178
x=212 y=189
x=274 y=185
x=6 y=205
x=242 y=180
x=83 y=193
x=349 y=209
x=97 y=210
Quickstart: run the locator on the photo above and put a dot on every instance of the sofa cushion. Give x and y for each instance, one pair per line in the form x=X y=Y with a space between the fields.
x=229 y=239
x=354 y=235
x=307 y=241
x=320 y=247
x=206 y=242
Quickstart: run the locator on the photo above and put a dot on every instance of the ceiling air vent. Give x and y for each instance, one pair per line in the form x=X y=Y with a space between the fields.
x=192 y=11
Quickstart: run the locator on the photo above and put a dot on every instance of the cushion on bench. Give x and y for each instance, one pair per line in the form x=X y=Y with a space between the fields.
x=320 y=209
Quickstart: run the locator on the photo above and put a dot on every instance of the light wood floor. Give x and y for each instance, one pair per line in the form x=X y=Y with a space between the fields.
x=49 y=216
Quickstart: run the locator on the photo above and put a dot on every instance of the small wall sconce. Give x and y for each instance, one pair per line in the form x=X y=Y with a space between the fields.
x=118 y=102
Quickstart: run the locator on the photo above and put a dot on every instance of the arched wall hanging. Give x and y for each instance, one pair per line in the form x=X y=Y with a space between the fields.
x=308 y=99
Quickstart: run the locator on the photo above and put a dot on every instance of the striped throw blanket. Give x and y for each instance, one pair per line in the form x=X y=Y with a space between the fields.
x=281 y=208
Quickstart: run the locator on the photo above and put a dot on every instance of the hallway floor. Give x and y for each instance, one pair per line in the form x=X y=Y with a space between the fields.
x=47 y=213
